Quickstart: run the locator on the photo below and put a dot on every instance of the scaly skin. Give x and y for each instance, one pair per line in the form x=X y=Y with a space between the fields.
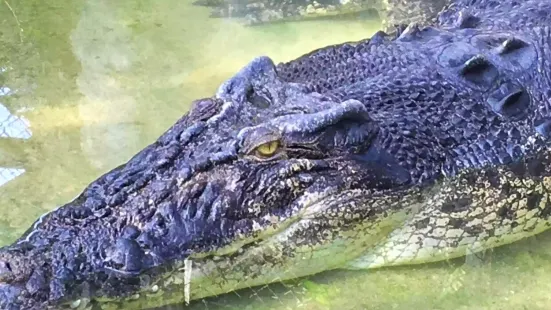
x=388 y=151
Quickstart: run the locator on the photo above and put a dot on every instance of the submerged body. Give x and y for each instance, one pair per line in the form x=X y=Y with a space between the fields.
x=391 y=12
x=390 y=151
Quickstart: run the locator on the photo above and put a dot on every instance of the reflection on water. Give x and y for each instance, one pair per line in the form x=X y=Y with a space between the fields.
x=96 y=81
x=8 y=174
x=11 y=127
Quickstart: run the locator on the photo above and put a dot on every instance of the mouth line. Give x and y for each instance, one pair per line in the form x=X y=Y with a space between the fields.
x=307 y=201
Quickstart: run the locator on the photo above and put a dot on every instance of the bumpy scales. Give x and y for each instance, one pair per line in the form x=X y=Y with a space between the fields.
x=400 y=149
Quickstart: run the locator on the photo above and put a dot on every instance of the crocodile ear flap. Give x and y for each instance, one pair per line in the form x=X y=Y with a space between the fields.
x=305 y=128
x=385 y=170
x=314 y=122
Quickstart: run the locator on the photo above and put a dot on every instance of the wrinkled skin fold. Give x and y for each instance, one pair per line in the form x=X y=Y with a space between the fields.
x=400 y=149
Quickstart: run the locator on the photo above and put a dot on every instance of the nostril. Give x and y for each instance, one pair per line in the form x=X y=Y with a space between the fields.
x=5 y=265
x=14 y=266
x=6 y=272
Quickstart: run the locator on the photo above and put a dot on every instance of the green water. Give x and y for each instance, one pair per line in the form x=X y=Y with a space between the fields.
x=91 y=83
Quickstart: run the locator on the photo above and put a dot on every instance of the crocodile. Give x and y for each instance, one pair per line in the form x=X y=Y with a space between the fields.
x=390 y=12
x=399 y=149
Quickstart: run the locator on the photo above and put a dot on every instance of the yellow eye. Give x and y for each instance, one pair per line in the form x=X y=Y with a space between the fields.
x=267 y=149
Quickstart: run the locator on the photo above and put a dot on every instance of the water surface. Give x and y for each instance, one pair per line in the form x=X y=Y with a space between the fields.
x=84 y=85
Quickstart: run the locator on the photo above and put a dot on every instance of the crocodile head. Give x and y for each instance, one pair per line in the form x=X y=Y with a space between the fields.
x=280 y=176
x=238 y=184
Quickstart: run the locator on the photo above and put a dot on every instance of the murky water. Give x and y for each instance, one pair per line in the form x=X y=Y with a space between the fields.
x=85 y=85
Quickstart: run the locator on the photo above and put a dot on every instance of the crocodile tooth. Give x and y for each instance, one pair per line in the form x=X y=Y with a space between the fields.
x=83 y=303
x=76 y=303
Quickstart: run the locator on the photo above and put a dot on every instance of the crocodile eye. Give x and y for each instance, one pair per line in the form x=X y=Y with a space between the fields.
x=267 y=149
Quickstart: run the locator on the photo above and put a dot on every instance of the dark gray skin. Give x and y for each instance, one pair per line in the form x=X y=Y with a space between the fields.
x=362 y=129
x=391 y=12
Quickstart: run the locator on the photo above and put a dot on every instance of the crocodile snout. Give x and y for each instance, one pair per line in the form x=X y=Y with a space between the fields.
x=19 y=279
x=9 y=291
x=15 y=266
